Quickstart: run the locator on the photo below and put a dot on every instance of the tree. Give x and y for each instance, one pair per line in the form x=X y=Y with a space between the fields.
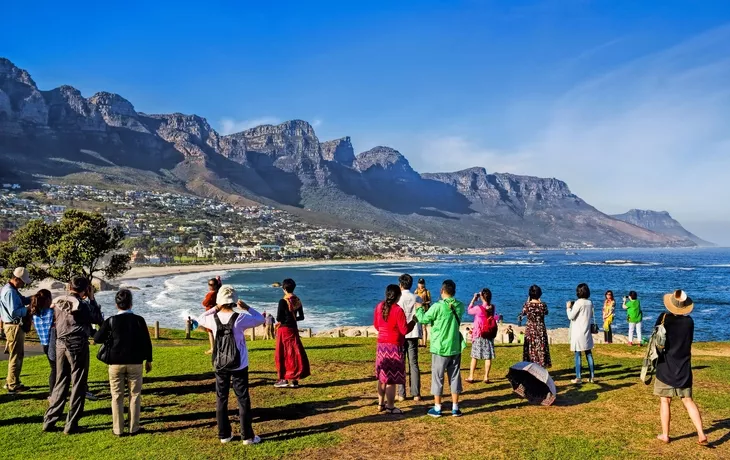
x=81 y=243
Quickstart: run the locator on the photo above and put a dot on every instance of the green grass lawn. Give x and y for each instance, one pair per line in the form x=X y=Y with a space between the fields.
x=334 y=415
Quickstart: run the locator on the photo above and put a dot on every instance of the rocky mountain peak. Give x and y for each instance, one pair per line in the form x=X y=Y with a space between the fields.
x=382 y=157
x=10 y=71
x=660 y=222
x=68 y=110
x=117 y=111
x=339 y=150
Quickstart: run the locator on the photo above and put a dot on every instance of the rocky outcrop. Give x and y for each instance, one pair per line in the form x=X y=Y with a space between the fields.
x=59 y=132
x=68 y=110
x=660 y=222
x=339 y=151
x=117 y=111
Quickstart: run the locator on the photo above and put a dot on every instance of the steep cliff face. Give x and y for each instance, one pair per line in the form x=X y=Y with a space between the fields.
x=660 y=222
x=339 y=151
x=60 y=133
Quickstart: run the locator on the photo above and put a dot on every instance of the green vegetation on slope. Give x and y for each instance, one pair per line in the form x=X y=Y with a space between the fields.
x=334 y=415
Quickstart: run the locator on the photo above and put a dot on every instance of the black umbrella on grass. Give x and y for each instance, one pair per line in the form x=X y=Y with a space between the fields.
x=532 y=382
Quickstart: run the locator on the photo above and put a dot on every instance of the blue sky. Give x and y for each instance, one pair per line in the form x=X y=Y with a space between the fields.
x=624 y=100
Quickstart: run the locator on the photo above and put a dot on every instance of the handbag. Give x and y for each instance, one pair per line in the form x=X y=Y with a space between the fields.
x=105 y=350
x=594 y=326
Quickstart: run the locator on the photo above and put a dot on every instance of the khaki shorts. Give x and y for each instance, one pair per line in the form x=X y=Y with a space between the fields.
x=666 y=391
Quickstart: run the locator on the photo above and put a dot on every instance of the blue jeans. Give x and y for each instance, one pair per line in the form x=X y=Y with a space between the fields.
x=589 y=357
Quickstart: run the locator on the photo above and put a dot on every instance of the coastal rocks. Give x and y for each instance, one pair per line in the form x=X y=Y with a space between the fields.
x=102 y=285
x=51 y=284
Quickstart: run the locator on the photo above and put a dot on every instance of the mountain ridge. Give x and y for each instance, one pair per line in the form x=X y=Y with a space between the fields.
x=47 y=134
x=660 y=222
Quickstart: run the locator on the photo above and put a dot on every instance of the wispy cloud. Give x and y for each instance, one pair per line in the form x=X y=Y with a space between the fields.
x=230 y=125
x=652 y=133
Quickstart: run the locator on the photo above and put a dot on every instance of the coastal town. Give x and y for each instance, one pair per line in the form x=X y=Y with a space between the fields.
x=165 y=228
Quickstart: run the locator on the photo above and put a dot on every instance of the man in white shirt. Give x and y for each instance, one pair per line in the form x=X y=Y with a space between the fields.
x=408 y=303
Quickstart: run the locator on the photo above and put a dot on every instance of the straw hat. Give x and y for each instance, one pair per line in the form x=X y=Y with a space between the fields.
x=226 y=295
x=678 y=303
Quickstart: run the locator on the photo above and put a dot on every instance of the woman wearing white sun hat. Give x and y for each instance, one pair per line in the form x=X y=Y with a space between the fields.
x=674 y=366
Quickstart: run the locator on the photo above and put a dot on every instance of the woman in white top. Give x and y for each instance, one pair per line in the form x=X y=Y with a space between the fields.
x=231 y=367
x=580 y=314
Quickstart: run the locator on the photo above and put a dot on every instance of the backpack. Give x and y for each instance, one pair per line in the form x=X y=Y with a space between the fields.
x=226 y=356
x=489 y=330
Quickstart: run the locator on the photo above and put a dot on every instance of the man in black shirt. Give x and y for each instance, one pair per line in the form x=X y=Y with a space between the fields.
x=674 y=366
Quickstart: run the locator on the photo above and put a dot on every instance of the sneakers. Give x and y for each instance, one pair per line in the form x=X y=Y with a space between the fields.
x=576 y=381
x=294 y=384
x=226 y=440
x=456 y=413
x=400 y=398
x=91 y=396
x=281 y=384
x=432 y=412
x=249 y=442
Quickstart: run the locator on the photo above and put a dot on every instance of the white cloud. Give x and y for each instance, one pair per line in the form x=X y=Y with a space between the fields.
x=653 y=133
x=316 y=123
x=230 y=125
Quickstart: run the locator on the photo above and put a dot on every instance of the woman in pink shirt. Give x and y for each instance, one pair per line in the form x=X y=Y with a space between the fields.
x=483 y=332
x=390 y=364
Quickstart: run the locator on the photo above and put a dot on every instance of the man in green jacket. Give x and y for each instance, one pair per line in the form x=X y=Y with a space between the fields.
x=447 y=344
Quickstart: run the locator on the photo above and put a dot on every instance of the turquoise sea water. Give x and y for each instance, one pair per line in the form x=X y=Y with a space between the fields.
x=346 y=294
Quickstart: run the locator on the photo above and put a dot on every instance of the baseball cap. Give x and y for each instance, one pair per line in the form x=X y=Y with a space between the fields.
x=22 y=273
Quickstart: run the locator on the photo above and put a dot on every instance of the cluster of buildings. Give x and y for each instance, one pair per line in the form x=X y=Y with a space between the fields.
x=165 y=227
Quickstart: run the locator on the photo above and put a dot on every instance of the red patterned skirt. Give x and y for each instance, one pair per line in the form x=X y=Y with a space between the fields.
x=291 y=359
x=390 y=364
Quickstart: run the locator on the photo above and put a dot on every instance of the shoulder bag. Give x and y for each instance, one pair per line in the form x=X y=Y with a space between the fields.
x=594 y=326
x=105 y=350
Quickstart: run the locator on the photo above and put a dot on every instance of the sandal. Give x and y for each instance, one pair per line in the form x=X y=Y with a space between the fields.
x=487 y=382
x=393 y=411
x=381 y=408
x=470 y=380
x=704 y=443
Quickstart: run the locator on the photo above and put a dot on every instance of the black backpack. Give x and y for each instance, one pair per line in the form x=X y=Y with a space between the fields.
x=226 y=356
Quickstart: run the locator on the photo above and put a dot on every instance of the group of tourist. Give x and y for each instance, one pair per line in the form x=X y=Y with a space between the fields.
x=65 y=326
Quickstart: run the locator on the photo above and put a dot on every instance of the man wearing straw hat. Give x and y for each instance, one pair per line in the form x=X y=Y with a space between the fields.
x=674 y=366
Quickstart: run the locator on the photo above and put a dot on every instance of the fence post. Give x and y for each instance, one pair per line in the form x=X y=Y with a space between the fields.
x=188 y=326
x=309 y=332
x=157 y=329
x=253 y=334
x=366 y=333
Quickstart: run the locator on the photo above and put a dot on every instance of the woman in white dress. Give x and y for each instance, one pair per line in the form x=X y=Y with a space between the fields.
x=580 y=314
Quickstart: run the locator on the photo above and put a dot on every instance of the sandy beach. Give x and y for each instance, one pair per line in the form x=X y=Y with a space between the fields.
x=150 y=272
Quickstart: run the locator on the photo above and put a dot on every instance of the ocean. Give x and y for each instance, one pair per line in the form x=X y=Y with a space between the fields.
x=346 y=294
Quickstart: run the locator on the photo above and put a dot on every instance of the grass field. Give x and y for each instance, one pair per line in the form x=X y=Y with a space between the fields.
x=334 y=415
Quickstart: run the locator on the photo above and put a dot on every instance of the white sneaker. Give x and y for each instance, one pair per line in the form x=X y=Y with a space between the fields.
x=281 y=384
x=249 y=442
x=226 y=440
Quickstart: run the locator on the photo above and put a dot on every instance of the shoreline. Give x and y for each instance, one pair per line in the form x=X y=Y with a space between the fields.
x=136 y=273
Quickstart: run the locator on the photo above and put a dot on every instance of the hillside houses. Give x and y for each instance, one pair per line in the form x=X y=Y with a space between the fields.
x=167 y=227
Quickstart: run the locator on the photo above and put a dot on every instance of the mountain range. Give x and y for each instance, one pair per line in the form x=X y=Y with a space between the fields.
x=59 y=135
